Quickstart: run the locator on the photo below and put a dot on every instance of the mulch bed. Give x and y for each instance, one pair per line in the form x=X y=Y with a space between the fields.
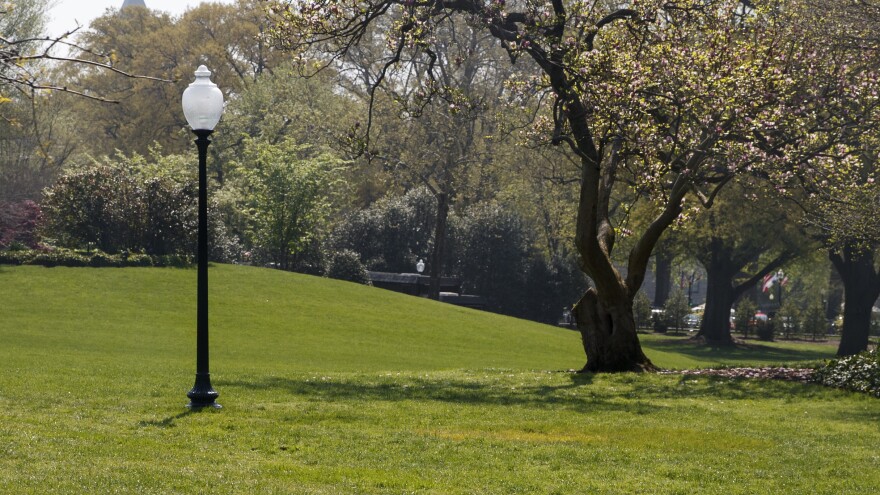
x=769 y=373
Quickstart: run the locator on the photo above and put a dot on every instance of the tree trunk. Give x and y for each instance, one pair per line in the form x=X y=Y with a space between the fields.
x=662 y=277
x=439 y=245
x=609 y=336
x=835 y=296
x=861 y=287
x=720 y=296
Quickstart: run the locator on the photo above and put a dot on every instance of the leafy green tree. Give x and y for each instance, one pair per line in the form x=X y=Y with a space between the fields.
x=745 y=315
x=788 y=319
x=390 y=235
x=492 y=255
x=676 y=309
x=813 y=319
x=642 y=309
x=226 y=38
x=738 y=242
x=289 y=199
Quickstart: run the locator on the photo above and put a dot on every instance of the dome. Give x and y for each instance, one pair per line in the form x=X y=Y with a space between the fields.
x=133 y=3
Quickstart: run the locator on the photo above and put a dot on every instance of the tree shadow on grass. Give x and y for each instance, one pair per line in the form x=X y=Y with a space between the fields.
x=573 y=395
x=633 y=393
x=747 y=353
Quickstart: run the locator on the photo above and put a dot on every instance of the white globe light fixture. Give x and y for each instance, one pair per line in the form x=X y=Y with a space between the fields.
x=203 y=102
x=420 y=266
x=202 y=106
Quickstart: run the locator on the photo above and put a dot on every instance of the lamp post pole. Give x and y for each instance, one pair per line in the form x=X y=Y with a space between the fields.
x=203 y=106
x=202 y=393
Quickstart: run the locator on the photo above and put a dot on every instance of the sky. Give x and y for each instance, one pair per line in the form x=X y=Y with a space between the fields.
x=65 y=14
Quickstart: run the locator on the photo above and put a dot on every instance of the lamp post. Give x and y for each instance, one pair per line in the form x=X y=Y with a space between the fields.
x=420 y=267
x=203 y=106
x=780 y=277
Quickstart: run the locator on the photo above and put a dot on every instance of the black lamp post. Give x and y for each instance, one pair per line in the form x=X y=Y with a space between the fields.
x=203 y=106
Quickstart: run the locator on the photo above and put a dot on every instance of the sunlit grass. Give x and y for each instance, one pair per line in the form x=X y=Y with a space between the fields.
x=331 y=388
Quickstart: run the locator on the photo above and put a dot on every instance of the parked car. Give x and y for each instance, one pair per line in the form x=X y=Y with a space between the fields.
x=692 y=321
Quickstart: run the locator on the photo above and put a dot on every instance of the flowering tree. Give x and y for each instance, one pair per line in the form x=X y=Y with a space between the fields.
x=826 y=151
x=660 y=98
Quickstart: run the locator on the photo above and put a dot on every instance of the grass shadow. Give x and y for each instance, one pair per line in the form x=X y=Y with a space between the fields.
x=749 y=353
x=573 y=395
x=617 y=393
x=169 y=421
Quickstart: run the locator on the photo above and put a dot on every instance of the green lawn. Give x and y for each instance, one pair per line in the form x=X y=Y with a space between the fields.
x=333 y=388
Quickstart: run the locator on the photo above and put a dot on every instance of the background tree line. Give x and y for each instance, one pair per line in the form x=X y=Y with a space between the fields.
x=443 y=150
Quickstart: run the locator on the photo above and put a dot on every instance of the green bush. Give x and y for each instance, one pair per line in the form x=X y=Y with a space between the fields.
x=97 y=259
x=346 y=265
x=859 y=373
x=60 y=257
x=765 y=330
x=173 y=260
x=15 y=257
x=137 y=259
x=101 y=260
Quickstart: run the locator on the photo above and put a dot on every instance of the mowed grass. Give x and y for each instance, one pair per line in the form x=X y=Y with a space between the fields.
x=333 y=388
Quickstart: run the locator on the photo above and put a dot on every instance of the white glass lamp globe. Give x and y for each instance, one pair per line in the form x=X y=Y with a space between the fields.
x=203 y=102
x=420 y=266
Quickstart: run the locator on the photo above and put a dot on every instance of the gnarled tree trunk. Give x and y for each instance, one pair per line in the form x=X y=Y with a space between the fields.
x=609 y=336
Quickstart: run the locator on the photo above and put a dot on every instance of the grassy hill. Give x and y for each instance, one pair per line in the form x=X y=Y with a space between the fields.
x=334 y=388
x=266 y=318
x=289 y=322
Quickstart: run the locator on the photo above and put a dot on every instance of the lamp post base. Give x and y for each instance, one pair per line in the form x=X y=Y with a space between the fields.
x=202 y=393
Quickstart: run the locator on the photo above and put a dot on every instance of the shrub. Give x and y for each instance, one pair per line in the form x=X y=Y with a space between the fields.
x=765 y=330
x=116 y=209
x=18 y=225
x=173 y=260
x=60 y=257
x=676 y=309
x=346 y=265
x=101 y=260
x=137 y=259
x=15 y=257
x=392 y=234
x=859 y=373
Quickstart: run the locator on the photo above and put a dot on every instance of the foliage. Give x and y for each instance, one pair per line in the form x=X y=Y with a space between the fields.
x=551 y=285
x=114 y=207
x=788 y=319
x=141 y=41
x=859 y=373
x=813 y=320
x=392 y=234
x=676 y=309
x=745 y=316
x=642 y=309
x=18 y=224
x=663 y=95
x=20 y=24
x=52 y=257
x=346 y=265
x=289 y=199
x=492 y=252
